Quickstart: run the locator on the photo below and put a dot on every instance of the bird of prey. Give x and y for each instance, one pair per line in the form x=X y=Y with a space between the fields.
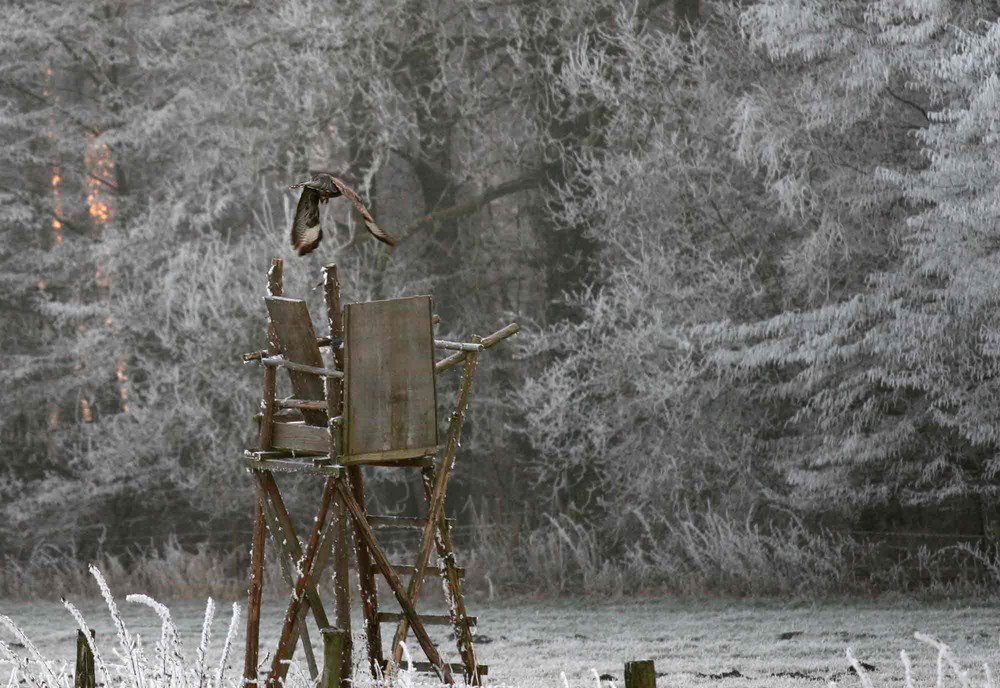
x=320 y=188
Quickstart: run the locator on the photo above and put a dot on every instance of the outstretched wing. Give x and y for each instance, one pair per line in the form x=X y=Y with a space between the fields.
x=355 y=200
x=306 y=229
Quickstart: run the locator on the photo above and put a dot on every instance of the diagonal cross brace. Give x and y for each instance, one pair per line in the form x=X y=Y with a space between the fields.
x=382 y=562
x=291 y=546
x=287 y=562
x=435 y=508
x=304 y=589
x=279 y=667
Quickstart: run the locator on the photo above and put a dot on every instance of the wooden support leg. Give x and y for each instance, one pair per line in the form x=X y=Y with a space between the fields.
x=435 y=508
x=361 y=523
x=256 y=591
x=366 y=577
x=342 y=589
x=275 y=287
x=334 y=408
x=453 y=590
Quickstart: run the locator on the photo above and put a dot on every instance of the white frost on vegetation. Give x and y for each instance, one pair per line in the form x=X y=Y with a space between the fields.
x=170 y=668
x=133 y=669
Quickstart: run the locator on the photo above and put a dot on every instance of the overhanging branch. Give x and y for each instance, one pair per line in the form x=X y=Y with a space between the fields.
x=529 y=181
x=911 y=103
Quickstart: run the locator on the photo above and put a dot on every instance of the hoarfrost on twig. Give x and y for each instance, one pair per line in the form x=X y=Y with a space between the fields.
x=907 y=669
x=945 y=655
x=168 y=649
x=128 y=651
x=36 y=656
x=206 y=636
x=230 y=636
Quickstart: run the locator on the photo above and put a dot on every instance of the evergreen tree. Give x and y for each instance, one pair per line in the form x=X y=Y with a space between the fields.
x=887 y=393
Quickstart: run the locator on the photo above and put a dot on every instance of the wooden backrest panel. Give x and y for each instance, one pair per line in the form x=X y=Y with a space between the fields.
x=390 y=398
x=297 y=340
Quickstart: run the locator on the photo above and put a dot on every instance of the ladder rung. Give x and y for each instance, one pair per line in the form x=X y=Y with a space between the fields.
x=427 y=619
x=280 y=362
x=401 y=521
x=307 y=404
x=406 y=570
x=456 y=667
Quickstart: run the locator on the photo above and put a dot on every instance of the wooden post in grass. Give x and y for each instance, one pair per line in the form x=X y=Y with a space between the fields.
x=335 y=640
x=86 y=676
x=640 y=674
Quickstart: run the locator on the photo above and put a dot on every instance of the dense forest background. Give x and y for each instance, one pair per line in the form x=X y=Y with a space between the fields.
x=753 y=247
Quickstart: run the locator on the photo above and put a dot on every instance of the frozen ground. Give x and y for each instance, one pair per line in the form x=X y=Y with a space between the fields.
x=693 y=644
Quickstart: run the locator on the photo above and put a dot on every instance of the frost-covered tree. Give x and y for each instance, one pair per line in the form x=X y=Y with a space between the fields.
x=173 y=128
x=794 y=251
x=622 y=428
x=885 y=390
x=136 y=151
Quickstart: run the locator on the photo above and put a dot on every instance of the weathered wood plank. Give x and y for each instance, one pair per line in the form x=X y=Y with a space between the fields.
x=387 y=457
x=390 y=393
x=290 y=466
x=300 y=436
x=251 y=356
x=294 y=332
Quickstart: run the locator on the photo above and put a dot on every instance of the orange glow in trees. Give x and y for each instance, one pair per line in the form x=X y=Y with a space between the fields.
x=100 y=171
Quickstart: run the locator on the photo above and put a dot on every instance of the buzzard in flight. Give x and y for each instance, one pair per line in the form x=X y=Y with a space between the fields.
x=320 y=188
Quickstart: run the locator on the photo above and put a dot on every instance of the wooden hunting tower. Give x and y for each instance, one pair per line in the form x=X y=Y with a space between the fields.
x=373 y=404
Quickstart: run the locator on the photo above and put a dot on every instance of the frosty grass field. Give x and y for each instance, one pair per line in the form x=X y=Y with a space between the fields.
x=710 y=643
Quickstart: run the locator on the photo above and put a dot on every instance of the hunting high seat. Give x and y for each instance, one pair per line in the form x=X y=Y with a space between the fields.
x=375 y=405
